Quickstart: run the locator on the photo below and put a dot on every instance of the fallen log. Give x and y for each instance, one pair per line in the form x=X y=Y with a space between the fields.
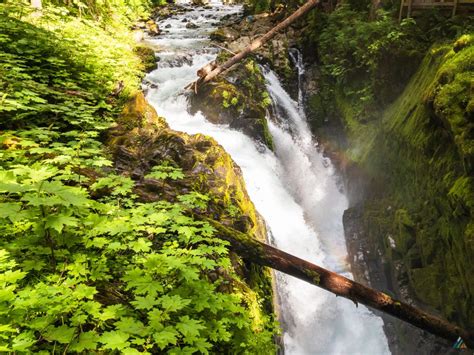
x=211 y=70
x=266 y=255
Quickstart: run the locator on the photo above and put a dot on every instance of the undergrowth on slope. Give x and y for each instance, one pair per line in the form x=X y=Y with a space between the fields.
x=84 y=265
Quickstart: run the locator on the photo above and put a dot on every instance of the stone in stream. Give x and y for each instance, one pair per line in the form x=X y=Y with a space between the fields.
x=152 y=28
x=191 y=25
x=168 y=26
x=224 y=34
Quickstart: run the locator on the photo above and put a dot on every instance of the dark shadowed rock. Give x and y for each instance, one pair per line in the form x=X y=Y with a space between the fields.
x=224 y=34
x=191 y=25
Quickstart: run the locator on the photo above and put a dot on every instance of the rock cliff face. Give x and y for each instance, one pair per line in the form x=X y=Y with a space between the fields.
x=424 y=151
x=239 y=99
x=409 y=177
x=141 y=140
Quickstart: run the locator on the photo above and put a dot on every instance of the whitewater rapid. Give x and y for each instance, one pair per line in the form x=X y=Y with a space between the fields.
x=295 y=189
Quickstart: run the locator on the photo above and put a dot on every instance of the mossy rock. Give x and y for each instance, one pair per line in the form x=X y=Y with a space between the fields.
x=239 y=99
x=420 y=150
x=141 y=139
x=147 y=57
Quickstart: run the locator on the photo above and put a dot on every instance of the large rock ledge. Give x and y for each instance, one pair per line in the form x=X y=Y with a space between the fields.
x=141 y=139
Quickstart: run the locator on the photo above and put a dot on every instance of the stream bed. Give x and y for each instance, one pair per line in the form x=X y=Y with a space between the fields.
x=295 y=189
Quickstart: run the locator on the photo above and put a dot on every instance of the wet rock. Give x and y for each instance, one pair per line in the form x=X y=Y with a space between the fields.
x=191 y=25
x=141 y=139
x=179 y=60
x=224 y=35
x=149 y=84
x=184 y=20
x=370 y=269
x=147 y=57
x=238 y=33
x=168 y=26
x=200 y=2
x=236 y=100
x=152 y=28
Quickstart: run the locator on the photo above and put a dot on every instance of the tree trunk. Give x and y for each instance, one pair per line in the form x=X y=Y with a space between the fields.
x=266 y=255
x=210 y=71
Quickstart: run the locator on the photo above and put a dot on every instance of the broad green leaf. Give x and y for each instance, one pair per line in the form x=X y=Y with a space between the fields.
x=111 y=312
x=11 y=277
x=131 y=326
x=147 y=302
x=84 y=291
x=114 y=340
x=86 y=341
x=70 y=196
x=9 y=209
x=140 y=245
x=62 y=334
x=167 y=336
x=23 y=341
x=133 y=351
x=142 y=283
x=59 y=221
x=173 y=303
x=189 y=328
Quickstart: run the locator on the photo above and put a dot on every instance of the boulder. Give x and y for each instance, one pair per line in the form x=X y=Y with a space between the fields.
x=191 y=25
x=147 y=57
x=224 y=34
x=152 y=28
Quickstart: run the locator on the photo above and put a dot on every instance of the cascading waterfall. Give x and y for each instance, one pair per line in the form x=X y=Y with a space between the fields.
x=297 y=59
x=295 y=190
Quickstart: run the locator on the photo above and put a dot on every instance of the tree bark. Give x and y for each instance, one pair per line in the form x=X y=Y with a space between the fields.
x=266 y=255
x=210 y=71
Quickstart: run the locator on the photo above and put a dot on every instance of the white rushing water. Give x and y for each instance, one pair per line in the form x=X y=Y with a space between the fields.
x=295 y=189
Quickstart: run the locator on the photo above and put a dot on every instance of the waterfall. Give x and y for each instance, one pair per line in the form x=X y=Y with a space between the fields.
x=295 y=189
x=297 y=60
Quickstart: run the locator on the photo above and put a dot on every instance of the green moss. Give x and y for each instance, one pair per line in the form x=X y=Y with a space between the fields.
x=239 y=99
x=314 y=276
x=420 y=154
x=267 y=136
x=361 y=135
x=147 y=57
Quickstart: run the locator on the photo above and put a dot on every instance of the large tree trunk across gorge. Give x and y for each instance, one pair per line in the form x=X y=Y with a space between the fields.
x=210 y=71
x=266 y=255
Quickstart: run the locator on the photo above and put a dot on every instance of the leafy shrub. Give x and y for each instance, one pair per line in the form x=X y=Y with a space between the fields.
x=62 y=74
x=84 y=266
x=79 y=274
x=357 y=53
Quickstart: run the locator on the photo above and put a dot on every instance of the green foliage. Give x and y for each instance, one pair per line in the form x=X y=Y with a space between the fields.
x=354 y=51
x=165 y=171
x=229 y=100
x=60 y=71
x=87 y=275
x=84 y=266
x=368 y=62
x=108 y=13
